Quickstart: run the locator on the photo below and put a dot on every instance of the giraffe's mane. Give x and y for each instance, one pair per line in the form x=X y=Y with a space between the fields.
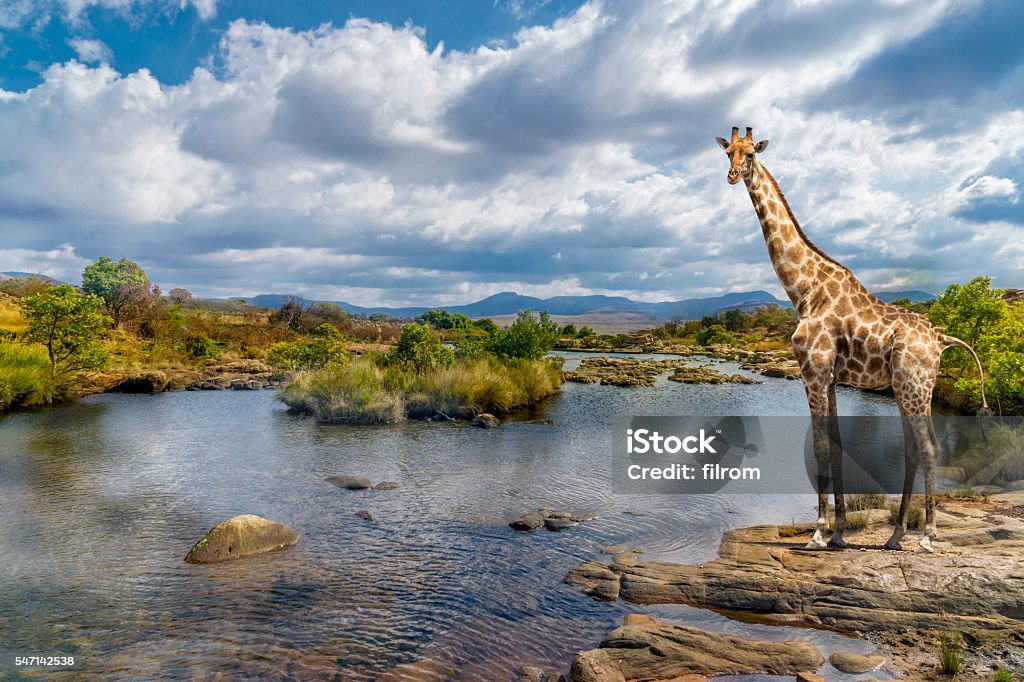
x=796 y=224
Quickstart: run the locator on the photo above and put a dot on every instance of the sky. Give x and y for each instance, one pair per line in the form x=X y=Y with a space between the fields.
x=433 y=153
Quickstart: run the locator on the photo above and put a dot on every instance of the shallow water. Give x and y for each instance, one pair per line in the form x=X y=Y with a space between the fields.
x=102 y=499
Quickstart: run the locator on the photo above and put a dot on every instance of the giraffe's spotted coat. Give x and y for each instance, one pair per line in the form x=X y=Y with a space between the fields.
x=846 y=336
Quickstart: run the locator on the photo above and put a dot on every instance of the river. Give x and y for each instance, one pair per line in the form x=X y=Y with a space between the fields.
x=102 y=498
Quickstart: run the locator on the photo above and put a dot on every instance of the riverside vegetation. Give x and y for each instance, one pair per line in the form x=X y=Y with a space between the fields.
x=59 y=341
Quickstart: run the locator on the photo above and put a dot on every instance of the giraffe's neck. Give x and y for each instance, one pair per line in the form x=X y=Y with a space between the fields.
x=796 y=261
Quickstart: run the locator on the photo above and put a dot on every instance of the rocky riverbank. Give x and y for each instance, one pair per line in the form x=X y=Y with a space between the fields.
x=238 y=375
x=972 y=587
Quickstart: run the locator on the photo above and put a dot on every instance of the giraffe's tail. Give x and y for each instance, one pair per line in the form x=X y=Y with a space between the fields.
x=953 y=341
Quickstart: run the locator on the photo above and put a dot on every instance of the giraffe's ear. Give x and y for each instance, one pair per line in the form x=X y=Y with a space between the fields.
x=722 y=143
x=761 y=146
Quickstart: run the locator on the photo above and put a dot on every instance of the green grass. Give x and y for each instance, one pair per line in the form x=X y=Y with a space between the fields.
x=1002 y=675
x=949 y=653
x=364 y=392
x=25 y=377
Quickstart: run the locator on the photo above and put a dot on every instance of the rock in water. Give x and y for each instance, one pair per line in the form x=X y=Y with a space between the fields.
x=528 y=521
x=365 y=514
x=387 y=485
x=851 y=663
x=350 y=482
x=239 y=537
x=486 y=421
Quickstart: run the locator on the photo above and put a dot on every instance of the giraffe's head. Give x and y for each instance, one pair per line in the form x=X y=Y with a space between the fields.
x=741 y=152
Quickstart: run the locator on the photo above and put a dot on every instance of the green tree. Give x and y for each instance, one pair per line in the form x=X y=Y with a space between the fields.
x=420 y=347
x=967 y=311
x=584 y=332
x=735 y=320
x=528 y=337
x=569 y=330
x=442 y=319
x=69 y=325
x=123 y=286
x=486 y=324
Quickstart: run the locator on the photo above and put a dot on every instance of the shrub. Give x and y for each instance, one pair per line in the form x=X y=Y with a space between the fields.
x=1002 y=675
x=326 y=347
x=528 y=337
x=949 y=653
x=419 y=346
x=200 y=346
x=716 y=333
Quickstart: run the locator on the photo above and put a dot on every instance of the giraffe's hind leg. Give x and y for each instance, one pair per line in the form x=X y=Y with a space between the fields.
x=909 y=473
x=914 y=394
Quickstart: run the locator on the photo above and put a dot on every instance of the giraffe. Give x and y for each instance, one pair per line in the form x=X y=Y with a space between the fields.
x=847 y=336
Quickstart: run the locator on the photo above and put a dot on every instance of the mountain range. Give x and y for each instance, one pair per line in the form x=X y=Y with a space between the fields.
x=509 y=303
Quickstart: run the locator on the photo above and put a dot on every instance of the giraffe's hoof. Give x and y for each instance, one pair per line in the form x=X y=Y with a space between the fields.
x=925 y=545
x=816 y=543
x=837 y=542
x=893 y=545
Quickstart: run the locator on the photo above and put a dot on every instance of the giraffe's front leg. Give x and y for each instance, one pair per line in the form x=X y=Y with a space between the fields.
x=822 y=456
x=836 y=461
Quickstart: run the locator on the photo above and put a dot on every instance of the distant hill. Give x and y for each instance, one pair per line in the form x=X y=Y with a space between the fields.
x=11 y=274
x=509 y=303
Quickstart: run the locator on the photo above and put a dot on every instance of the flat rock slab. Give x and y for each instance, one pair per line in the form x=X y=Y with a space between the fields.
x=976 y=586
x=645 y=649
x=350 y=482
x=901 y=600
x=241 y=536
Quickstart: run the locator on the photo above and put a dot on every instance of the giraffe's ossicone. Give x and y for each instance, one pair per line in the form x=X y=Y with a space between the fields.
x=847 y=336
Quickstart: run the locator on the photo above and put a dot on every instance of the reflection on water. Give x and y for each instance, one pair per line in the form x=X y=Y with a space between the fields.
x=103 y=498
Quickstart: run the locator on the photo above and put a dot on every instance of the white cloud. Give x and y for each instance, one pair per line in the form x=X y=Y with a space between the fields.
x=577 y=158
x=91 y=51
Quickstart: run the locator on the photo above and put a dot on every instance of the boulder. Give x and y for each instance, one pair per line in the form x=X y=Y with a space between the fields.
x=528 y=521
x=486 y=421
x=650 y=650
x=241 y=536
x=365 y=514
x=387 y=485
x=350 y=482
x=556 y=523
x=809 y=677
x=854 y=664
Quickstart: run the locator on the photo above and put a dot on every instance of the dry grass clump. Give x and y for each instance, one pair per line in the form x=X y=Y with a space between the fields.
x=999 y=461
x=364 y=392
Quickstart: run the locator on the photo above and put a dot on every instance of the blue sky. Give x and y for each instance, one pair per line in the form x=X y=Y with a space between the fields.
x=437 y=152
